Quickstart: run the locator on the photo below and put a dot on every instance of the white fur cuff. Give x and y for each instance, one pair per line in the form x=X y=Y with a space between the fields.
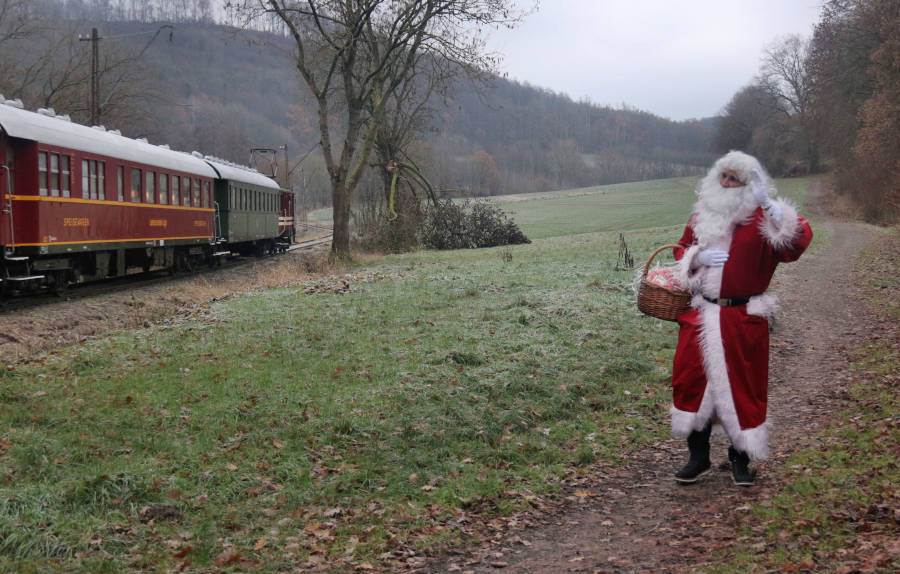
x=781 y=234
x=684 y=422
x=755 y=442
x=687 y=273
x=763 y=306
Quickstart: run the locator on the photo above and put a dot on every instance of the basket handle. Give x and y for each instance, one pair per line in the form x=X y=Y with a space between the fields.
x=647 y=265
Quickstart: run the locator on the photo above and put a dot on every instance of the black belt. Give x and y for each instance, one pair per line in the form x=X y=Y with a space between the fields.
x=733 y=302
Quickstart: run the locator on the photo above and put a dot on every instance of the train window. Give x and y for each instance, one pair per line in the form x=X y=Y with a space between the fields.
x=196 y=194
x=54 y=174
x=185 y=191
x=175 y=187
x=120 y=182
x=163 y=189
x=93 y=170
x=42 y=172
x=135 y=185
x=85 y=179
x=150 y=188
x=205 y=194
x=101 y=179
x=65 y=181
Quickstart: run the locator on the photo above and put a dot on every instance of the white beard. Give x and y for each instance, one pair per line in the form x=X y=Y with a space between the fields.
x=720 y=209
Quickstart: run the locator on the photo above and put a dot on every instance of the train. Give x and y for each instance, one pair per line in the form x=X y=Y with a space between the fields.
x=82 y=203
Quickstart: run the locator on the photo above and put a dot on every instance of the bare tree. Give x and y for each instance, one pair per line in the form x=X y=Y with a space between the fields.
x=354 y=55
x=783 y=73
x=19 y=21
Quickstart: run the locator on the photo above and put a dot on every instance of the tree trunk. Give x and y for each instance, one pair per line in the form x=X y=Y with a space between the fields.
x=340 y=202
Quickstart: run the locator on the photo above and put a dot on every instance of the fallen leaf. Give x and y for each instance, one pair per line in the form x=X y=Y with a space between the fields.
x=229 y=556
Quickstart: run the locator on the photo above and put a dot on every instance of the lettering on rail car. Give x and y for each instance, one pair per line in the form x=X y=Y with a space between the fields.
x=159 y=223
x=199 y=223
x=76 y=222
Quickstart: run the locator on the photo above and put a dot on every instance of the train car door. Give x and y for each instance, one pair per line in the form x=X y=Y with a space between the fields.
x=7 y=183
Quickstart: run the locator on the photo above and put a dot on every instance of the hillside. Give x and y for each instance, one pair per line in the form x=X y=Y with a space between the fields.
x=221 y=91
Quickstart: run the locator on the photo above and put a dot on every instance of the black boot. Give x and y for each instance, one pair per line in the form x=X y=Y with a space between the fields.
x=740 y=471
x=698 y=465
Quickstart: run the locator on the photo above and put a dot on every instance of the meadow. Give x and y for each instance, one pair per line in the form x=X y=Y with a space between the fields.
x=304 y=426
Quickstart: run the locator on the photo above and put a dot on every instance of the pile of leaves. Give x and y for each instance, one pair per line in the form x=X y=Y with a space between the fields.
x=468 y=225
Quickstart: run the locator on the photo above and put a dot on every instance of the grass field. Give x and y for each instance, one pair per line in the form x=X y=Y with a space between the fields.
x=619 y=207
x=301 y=427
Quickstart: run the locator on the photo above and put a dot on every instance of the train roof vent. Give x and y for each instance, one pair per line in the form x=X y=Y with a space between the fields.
x=115 y=132
x=99 y=128
x=64 y=117
x=16 y=103
x=197 y=154
x=47 y=112
x=165 y=146
x=143 y=140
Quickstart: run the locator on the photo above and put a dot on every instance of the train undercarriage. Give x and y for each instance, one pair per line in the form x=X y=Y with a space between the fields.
x=29 y=274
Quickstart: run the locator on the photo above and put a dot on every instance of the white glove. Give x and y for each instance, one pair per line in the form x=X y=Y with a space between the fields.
x=761 y=195
x=712 y=257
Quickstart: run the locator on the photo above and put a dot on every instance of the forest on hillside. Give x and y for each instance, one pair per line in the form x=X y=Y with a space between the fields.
x=179 y=72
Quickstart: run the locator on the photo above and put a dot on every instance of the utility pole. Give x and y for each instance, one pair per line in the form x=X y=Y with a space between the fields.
x=95 y=76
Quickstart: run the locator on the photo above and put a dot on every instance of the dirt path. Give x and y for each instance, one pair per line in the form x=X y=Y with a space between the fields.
x=636 y=519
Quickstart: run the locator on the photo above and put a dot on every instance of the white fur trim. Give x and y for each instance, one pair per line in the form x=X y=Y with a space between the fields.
x=781 y=235
x=754 y=442
x=683 y=422
x=763 y=306
x=687 y=274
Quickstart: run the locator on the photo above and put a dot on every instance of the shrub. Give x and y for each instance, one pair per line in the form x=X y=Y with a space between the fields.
x=467 y=225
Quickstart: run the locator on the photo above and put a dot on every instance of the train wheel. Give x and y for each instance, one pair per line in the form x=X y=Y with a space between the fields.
x=182 y=262
x=59 y=282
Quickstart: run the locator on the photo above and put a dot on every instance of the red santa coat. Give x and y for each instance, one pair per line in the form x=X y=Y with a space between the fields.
x=721 y=365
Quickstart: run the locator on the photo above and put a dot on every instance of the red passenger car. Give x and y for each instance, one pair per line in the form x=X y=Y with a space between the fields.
x=82 y=202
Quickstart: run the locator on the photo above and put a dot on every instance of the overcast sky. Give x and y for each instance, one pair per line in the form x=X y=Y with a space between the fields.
x=679 y=59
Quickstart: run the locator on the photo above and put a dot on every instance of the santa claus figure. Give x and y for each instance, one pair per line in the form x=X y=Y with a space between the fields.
x=735 y=238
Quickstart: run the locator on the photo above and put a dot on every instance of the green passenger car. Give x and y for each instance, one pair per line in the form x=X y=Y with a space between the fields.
x=247 y=209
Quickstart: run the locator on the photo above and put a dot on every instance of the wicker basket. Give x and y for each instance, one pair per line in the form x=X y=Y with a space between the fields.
x=658 y=301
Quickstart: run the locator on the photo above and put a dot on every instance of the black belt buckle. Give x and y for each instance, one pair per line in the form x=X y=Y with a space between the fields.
x=726 y=302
